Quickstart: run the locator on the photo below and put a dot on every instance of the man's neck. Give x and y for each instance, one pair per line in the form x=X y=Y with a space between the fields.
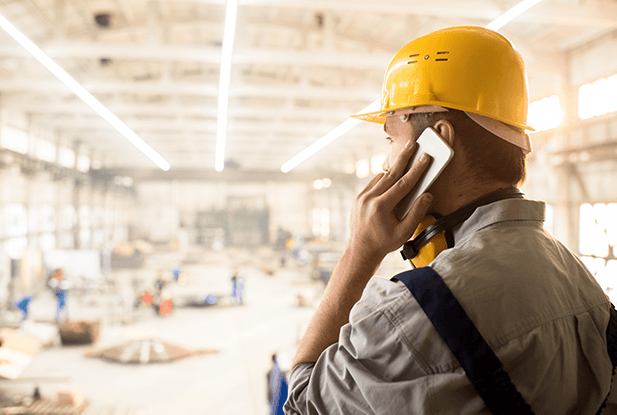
x=448 y=199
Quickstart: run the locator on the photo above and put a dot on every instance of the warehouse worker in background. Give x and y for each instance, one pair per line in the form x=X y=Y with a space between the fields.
x=504 y=304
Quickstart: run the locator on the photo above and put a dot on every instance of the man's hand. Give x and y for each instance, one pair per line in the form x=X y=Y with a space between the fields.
x=375 y=229
x=375 y=232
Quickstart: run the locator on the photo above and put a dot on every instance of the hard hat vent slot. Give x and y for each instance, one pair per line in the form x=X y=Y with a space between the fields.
x=442 y=59
x=413 y=61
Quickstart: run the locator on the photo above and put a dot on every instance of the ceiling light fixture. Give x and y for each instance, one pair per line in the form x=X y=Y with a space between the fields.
x=228 y=44
x=326 y=139
x=511 y=14
x=496 y=24
x=82 y=93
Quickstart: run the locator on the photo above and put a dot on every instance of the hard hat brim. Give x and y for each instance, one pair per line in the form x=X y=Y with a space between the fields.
x=379 y=117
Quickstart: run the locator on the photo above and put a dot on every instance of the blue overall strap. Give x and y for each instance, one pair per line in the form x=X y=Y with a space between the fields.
x=482 y=367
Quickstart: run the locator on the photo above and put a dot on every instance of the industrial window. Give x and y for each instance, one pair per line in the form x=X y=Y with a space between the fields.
x=98 y=239
x=120 y=229
x=14 y=247
x=33 y=220
x=14 y=138
x=45 y=150
x=16 y=220
x=68 y=217
x=16 y=229
x=549 y=219
x=377 y=163
x=47 y=218
x=47 y=242
x=316 y=221
x=85 y=216
x=322 y=184
x=66 y=157
x=321 y=222
x=85 y=232
x=545 y=113
x=363 y=168
x=598 y=241
x=597 y=98
x=83 y=163
x=67 y=241
x=47 y=227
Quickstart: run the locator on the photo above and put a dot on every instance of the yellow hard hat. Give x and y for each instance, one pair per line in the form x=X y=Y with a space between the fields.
x=466 y=68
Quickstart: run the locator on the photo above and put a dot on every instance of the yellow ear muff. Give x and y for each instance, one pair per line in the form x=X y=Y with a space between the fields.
x=429 y=252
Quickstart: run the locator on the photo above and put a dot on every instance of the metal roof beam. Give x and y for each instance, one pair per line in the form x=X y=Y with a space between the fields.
x=205 y=54
x=588 y=13
x=228 y=175
x=121 y=110
x=192 y=88
x=175 y=126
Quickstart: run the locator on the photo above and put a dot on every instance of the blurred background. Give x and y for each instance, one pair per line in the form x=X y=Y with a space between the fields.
x=164 y=238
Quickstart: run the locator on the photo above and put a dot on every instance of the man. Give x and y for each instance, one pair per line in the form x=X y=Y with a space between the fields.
x=371 y=347
x=277 y=388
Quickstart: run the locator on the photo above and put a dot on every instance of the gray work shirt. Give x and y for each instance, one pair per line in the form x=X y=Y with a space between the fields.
x=536 y=305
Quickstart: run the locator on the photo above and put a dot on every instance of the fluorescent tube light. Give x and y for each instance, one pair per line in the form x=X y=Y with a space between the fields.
x=496 y=24
x=327 y=139
x=225 y=76
x=81 y=92
x=511 y=14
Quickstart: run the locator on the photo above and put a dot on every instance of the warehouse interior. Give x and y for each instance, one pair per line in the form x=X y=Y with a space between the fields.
x=152 y=201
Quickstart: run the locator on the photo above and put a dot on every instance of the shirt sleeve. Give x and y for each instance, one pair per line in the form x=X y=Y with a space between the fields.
x=371 y=369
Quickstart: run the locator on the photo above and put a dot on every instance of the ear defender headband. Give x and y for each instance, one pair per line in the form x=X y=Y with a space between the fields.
x=434 y=235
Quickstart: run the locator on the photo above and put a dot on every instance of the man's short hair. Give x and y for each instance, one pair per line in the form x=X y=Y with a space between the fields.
x=486 y=155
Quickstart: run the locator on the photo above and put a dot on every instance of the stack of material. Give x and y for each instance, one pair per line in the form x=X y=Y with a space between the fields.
x=16 y=353
x=130 y=254
x=142 y=351
x=67 y=403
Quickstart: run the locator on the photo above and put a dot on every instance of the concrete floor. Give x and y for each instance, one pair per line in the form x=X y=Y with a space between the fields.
x=232 y=381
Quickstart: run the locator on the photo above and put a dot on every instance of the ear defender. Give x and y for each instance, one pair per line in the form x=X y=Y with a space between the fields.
x=433 y=236
x=429 y=240
x=428 y=252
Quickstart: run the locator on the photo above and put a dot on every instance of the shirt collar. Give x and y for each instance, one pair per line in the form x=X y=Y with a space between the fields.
x=500 y=211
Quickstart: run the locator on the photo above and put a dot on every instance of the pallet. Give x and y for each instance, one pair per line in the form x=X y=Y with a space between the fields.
x=45 y=407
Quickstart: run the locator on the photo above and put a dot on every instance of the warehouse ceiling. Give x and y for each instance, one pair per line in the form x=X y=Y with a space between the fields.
x=299 y=68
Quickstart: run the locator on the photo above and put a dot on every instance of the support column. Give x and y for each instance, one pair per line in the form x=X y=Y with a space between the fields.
x=567 y=206
x=77 y=189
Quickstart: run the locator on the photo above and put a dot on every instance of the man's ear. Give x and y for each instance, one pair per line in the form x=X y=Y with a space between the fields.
x=446 y=131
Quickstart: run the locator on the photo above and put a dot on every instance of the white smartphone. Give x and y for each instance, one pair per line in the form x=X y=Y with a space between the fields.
x=429 y=142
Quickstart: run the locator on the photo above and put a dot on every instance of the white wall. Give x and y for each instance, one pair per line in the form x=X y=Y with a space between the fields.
x=165 y=203
x=594 y=61
x=289 y=207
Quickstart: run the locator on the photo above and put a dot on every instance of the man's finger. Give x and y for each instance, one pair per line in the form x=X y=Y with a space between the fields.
x=397 y=170
x=415 y=215
x=406 y=184
x=371 y=184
